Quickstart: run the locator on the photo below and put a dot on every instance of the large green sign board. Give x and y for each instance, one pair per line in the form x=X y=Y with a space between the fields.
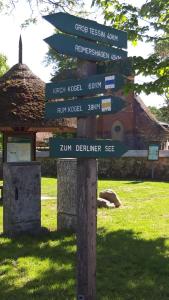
x=80 y=148
x=83 y=107
x=83 y=49
x=88 y=29
x=91 y=85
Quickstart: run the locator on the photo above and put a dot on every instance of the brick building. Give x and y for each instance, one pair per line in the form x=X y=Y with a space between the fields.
x=134 y=125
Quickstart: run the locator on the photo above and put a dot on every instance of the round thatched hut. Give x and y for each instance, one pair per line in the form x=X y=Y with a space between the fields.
x=22 y=103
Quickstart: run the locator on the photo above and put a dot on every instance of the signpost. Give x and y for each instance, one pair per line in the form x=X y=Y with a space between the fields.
x=82 y=148
x=85 y=147
x=88 y=29
x=91 y=85
x=83 y=49
x=76 y=108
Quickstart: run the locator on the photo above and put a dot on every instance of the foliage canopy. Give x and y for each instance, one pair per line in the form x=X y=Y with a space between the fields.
x=147 y=23
x=3 y=64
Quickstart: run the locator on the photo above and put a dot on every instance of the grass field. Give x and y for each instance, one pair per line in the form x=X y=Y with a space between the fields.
x=132 y=249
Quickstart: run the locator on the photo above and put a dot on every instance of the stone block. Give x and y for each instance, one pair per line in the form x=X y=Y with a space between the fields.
x=21 y=197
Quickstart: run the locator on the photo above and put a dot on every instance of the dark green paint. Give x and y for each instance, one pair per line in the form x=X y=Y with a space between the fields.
x=91 y=85
x=83 y=49
x=88 y=29
x=83 y=107
x=80 y=148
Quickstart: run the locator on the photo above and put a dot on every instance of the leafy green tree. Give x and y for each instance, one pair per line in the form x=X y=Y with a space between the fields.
x=3 y=64
x=42 y=7
x=3 y=68
x=161 y=114
x=146 y=23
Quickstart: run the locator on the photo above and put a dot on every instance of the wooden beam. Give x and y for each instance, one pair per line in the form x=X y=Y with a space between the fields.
x=86 y=206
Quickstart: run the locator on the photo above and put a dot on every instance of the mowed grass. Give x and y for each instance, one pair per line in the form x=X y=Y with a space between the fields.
x=132 y=249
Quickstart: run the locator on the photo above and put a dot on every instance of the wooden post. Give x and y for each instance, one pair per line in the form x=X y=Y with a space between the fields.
x=86 y=205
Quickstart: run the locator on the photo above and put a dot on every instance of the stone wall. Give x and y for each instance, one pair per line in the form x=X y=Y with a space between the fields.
x=133 y=165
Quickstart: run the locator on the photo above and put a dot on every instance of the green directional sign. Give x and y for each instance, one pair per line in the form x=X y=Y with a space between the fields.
x=91 y=85
x=88 y=29
x=86 y=148
x=83 y=107
x=83 y=49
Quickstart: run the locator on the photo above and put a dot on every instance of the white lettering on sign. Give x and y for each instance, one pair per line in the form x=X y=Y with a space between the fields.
x=82 y=28
x=109 y=148
x=114 y=57
x=74 y=108
x=86 y=50
x=74 y=88
x=88 y=148
x=93 y=106
x=113 y=37
x=65 y=147
x=94 y=85
x=59 y=90
x=61 y=110
x=97 y=32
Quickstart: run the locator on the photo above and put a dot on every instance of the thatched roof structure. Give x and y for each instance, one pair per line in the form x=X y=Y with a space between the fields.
x=22 y=101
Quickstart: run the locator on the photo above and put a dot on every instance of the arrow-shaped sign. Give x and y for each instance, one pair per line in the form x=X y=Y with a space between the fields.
x=91 y=85
x=86 y=148
x=83 y=49
x=83 y=107
x=88 y=29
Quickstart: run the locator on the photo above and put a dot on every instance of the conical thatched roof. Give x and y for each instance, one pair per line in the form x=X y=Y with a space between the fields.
x=22 y=102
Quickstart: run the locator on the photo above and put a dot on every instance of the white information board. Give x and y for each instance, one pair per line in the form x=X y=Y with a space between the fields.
x=153 y=152
x=18 y=152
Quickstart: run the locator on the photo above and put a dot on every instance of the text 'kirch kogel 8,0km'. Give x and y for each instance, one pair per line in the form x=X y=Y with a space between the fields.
x=80 y=87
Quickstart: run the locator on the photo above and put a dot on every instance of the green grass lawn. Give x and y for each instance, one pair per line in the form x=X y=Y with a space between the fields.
x=132 y=249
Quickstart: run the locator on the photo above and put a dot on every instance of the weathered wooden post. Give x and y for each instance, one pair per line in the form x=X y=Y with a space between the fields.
x=86 y=205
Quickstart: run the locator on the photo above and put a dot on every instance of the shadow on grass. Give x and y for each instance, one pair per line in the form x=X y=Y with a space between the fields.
x=135 y=182
x=131 y=268
x=127 y=267
x=55 y=281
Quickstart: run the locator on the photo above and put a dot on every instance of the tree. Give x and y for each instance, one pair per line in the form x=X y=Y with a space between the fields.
x=147 y=23
x=3 y=64
x=44 y=7
x=161 y=113
x=3 y=68
x=41 y=6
